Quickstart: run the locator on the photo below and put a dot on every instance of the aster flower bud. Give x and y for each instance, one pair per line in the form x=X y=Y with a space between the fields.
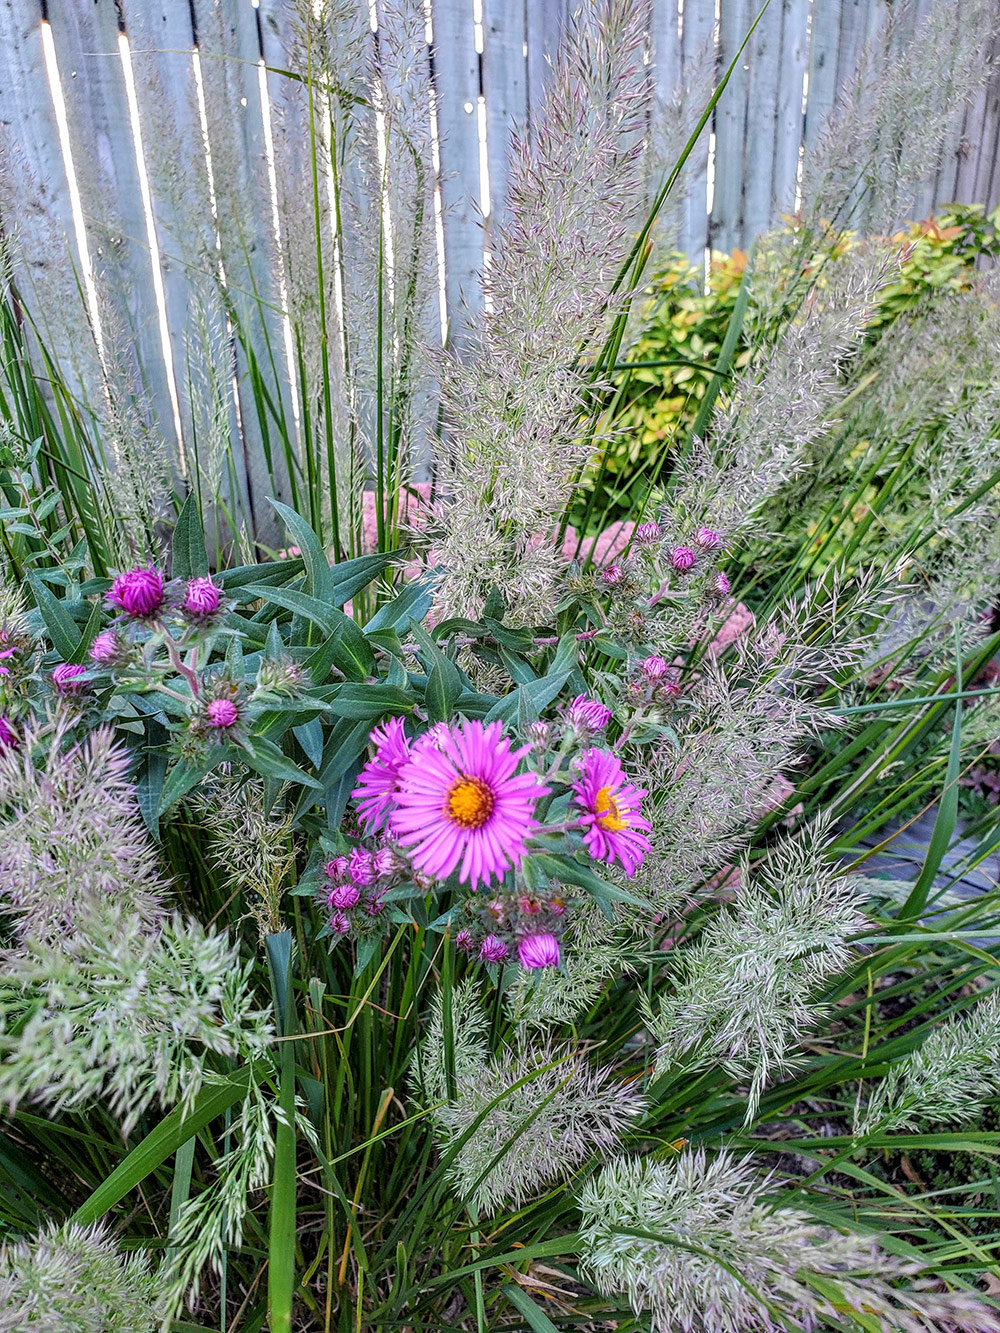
x=201 y=599
x=344 y=896
x=588 y=715
x=538 y=734
x=138 y=592
x=374 y=905
x=65 y=678
x=464 y=941
x=493 y=949
x=722 y=585
x=535 y=951
x=708 y=539
x=337 y=868
x=647 y=533
x=385 y=862
x=339 y=923
x=8 y=736
x=682 y=558
x=278 y=676
x=612 y=575
x=106 y=649
x=361 y=867
x=222 y=714
x=653 y=667
x=557 y=906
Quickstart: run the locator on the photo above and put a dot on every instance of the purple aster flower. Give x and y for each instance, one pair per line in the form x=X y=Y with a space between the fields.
x=106 y=648
x=339 y=923
x=344 y=895
x=493 y=949
x=653 y=667
x=201 y=600
x=65 y=678
x=588 y=714
x=222 y=714
x=540 y=950
x=615 y=831
x=707 y=538
x=682 y=558
x=465 y=806
x=722 y=585
x=612 y=575
x=8 y=736
x=647 y=533
x=464 y=941
x=337 y=868
x=378 y=781
x=360 y=867
x=139 y=593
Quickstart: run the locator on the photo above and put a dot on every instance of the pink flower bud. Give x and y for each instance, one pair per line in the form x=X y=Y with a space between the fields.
x=682 y=558
x=722 y=585
x=588 y=714
x=337 y=868
x=139 y=593
x=384 y=862
x=647 y=533
x=344 y=895
x=653 y=668
x=339 y=923
x=493 y=949
x=222 y=714
x=65 y=678
x=536 y=951
x=106 y=648
x=612 y=575
x=201 y=599
x=707 y=538
x=8 y=736
x=464 y=941
x=373 y=906
x=360 y=867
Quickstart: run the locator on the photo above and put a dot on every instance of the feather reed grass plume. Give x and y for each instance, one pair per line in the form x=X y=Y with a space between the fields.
x=696 y=1243
x=72 y=841
x=744 y=992
x=512 y=401
x=72 y=1279
x=120 y=1011
x=518 y=1121
x=947 y=1079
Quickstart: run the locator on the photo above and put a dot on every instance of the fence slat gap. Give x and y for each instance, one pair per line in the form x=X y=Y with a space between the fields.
x=75 y=202
x=125 y=53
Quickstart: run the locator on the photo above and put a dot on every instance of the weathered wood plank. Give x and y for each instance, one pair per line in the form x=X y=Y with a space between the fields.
x=505 y=88
x=789 y=127
x=697 y=47
x=731 y=130
x=544 y=26
x=762 y=117
x=824 y=48
x=457 y=87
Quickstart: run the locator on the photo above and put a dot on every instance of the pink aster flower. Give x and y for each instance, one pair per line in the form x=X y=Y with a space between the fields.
x=646 y=533
x=139 y=592
x=615 y=831
x=588 y=714
x=682 y=558
x=540 y=950
x=345 y=896
x=8 y=736
x=339 y=923
x=337 y=868
x=201 y=599
x=707 y=538
x=465 y=806
x=653 y=667
x=65 y=678
x=493 y=949
x=360 y=867
x=222 y=714
x=378 y=781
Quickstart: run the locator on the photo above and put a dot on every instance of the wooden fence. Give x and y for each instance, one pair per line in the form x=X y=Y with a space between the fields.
x=72 y=91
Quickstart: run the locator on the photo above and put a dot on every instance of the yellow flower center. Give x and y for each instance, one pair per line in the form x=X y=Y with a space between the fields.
x=608 y=813
x=470 y=803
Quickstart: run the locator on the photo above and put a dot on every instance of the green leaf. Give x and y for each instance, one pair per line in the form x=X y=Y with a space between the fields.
x=352 y=652
x=568 y=871
x=266 y=758
x=181 y=779
x=162 y=1142
x=444 y=688
x=410 y=606
x=536 y=1317
x=188 y=557
x=327 y=617
x=60 y=626
x=370 y=701
x=539 y=694
x=350 y=576
x=319 y=577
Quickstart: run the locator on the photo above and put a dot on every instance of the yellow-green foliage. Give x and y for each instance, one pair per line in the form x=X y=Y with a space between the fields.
x=685 y=322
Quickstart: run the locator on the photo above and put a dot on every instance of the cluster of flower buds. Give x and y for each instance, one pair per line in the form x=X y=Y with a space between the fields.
x=142 y=595
x=351 y=892
x=509 y=926
x=657 y=680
